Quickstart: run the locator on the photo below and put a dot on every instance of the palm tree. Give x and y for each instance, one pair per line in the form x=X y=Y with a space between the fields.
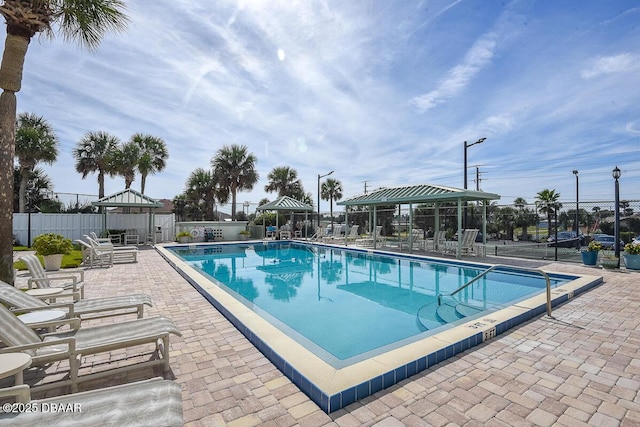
x=203 y=190
x=85 y=21
x=94 y=153
x=331 y=190
x=124 y=162
x=283 y=180
x=37 y=191
x=36 y=141
x=153 y=156
x=235 y=169
x=547 y=202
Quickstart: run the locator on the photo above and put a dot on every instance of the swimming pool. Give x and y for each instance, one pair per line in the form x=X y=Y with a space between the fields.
x=343 y=324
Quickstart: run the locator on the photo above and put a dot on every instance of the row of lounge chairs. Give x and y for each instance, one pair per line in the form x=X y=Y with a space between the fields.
x=67 y=341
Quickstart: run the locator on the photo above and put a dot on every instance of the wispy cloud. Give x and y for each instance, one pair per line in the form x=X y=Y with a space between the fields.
x=459 y=76
x=614 y=64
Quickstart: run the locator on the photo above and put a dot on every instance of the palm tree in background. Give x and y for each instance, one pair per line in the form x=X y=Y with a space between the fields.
x=547 y=202
x=153 y=156
x=283 y=180
x=124 y=162
x=94 y=153
x=203 y=191
x=37 y=191
x=85 y=21
x=331 y=190
x=235 y=168
x=36 y=141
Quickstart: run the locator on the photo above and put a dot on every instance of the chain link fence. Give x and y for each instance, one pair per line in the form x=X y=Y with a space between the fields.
x=517 y=230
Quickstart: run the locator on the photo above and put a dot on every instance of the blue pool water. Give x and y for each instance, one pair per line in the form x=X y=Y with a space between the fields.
x=345 y=304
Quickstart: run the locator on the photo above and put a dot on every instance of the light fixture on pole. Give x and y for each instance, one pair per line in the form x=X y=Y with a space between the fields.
x=577 y=223
x=320 y=176
x=480 y=141
x=616 y=175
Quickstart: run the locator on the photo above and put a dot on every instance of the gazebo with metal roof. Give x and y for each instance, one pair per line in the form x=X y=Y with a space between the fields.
x=421 y=194
x=288 y=204
x=129 y=198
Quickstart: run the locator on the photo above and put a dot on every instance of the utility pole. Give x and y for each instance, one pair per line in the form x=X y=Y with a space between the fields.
x=365 y=186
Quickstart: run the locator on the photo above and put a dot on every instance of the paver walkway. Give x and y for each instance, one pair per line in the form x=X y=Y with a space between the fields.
x=581 y=368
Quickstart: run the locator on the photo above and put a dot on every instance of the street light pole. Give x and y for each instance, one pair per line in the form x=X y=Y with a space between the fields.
x=320 y=176
x=616 y=175
x=480 y=141
x=577 y=226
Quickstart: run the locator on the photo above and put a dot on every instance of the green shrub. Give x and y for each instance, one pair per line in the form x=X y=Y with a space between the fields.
x=51 y=244
x=632 y=248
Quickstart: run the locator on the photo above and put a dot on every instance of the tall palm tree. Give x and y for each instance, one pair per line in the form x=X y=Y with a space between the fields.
x=331 y=190
x=153 y=156
x=203 y=191
x=283 y=180
x=124 y=162
x=94 y=153
x=85 y=21
x=547 y=202
x=36 y=141
x=235 y=169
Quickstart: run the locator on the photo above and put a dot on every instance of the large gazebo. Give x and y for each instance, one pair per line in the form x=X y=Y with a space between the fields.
x=129 y=198
x=423 y=194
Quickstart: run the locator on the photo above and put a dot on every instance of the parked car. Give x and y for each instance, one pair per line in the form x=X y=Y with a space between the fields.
x=566 y=239
x=607 y=241
x=636 y=241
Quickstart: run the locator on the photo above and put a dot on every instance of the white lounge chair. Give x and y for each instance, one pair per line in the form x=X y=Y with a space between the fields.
x=416 y=239
x=72 y=280
x=81 y=341
x=19 y=301
x=93 y=256
x=153 y=402
x=119 y=253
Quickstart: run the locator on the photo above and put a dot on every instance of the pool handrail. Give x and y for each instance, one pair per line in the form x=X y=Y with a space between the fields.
x=494 y=267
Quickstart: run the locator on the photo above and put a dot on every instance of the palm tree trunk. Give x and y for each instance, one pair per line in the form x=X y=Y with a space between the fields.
x=22 y=191
x=15 y=50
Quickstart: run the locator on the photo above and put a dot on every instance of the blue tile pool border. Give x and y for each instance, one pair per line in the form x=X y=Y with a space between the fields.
x=331 y=403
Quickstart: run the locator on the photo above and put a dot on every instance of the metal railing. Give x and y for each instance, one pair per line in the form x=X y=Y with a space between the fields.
x=492 y=268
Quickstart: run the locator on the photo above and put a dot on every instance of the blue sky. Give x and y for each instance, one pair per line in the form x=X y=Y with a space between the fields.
x=382 y=92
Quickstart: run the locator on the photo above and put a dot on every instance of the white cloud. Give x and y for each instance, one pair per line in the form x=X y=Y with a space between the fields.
x=459 y=76
x=604 y=65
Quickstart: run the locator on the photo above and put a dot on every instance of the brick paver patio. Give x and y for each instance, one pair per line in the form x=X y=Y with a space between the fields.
x=581 y=368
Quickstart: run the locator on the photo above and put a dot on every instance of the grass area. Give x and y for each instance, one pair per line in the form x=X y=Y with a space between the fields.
x=73 y=260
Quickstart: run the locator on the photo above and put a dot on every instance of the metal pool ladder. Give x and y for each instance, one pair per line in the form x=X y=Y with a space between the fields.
x=492 y=268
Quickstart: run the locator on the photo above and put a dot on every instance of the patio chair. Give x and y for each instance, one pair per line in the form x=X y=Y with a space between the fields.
x=81 y=341
x=68 y=280
x=95 y=255
x=120 y=253
x=152 y=402
x=439 y=239
x=416 y=239
x=17 y=300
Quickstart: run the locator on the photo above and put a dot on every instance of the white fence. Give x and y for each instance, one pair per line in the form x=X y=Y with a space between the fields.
x=74 y=226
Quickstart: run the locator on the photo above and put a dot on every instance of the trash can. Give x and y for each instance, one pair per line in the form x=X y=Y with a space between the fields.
x=158 y=237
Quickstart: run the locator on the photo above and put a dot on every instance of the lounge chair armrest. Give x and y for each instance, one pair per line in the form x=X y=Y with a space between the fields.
x=73 y=322
x=70 y=341
x=69 y=272
x=63 y=305
x=66 y=294
x=22 y=393
x=52 y=278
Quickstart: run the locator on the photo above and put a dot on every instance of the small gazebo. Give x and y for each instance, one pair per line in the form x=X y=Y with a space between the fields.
x=129 y=198
x=286 y=204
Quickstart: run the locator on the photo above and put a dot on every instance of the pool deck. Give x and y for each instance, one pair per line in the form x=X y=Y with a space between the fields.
x=581 y=368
